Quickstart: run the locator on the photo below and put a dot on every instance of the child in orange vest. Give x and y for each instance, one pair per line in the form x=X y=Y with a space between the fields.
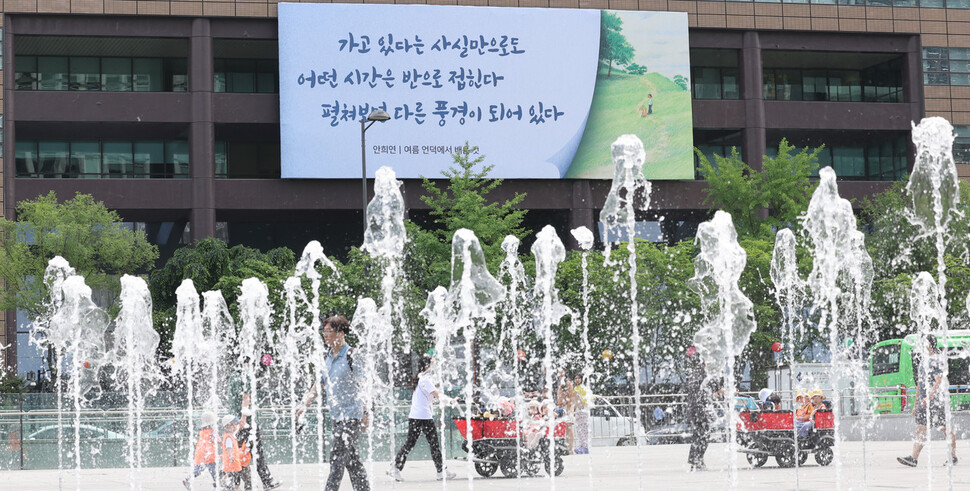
x=205 y=450
x=234 y=456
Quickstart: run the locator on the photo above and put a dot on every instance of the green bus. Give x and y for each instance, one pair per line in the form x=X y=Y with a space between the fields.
x=891 y=372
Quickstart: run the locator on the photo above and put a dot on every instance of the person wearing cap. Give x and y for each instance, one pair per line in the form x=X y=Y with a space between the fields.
x=420 y=421
x=805 y=415
x=205 y=450
x=931 y=396
x=700 y=414
x=342 y=383
x=232 y=455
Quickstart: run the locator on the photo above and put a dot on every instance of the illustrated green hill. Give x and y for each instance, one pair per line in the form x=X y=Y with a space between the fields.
x=667 y=134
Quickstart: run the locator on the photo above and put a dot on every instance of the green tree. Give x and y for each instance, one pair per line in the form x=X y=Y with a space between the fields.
x=614 y=48
x=82 y=231
x=462 y=203
x=760 y=202
x=900 y=252
x=212 y=265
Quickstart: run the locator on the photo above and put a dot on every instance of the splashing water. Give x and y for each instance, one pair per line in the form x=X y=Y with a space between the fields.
x=254 y=333
x=135 y=343
x=584 y=237
x=933 y=186
x=189 y=350
x=619 y=212
x=841 y=267
x=789 y=294
x=730 y=314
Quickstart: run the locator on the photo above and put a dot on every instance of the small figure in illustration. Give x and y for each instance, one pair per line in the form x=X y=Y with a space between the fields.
x=649 y=103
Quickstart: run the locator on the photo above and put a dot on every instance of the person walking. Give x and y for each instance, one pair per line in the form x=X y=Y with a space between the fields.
x=700 y=399
x=240 y=402
x=349 y=417
x=420 y=421
x=932 y=393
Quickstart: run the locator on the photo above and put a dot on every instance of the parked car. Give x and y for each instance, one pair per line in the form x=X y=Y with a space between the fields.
x=88 y=432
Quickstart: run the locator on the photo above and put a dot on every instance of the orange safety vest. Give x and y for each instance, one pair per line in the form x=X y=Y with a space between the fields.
x=806 y=411
x=231 y=461
x=245 y=456
x=205 y=448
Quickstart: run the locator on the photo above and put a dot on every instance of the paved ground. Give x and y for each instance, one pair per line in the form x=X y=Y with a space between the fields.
x=614 y=469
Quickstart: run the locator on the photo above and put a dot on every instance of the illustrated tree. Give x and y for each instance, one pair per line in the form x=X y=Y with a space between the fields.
x=614 y=48
x=636 y=69
x=682 y=81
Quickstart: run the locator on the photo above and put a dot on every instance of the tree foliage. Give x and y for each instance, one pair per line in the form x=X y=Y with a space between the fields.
x=614 y=48
x=761 y=201
x=636 y=69
x=212 y=265
x=462 y=203
x=82 y=231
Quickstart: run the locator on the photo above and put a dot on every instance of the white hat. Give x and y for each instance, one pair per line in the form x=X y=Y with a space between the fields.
x=763 y=394
x=208 y=418
x=227 y=420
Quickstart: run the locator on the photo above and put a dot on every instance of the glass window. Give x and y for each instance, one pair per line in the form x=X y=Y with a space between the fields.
x=788 y=85
x=958 y=4
x=935 y=53
x=849 y=162
x=149 y=160
x=219 y=78
x=813 y=85
x=922 y=3
x=26 y=157
x=85 y=73
x=117 y=159
x=177 y=154
x=731 y=83
x=116 y=74
x=25 y=71
x=241 y=75
x=266 y=74
x=179 y=68
x=55 y=159
x=52 y=73
x=960 y=79
x=148 y=75
x=707 y=83
x=221 y=167
x=959 y=53
x=86 y=156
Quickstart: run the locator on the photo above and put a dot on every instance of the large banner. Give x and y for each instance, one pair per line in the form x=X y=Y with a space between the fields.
x=542 y=92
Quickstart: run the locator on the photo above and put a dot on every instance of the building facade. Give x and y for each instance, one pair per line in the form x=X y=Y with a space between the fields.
x=168 y=111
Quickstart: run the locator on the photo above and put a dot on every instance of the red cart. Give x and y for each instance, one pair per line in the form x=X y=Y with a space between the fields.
x=496 y=443
x=763 y=434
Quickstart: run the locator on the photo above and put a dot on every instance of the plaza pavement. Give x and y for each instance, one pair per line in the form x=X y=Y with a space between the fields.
x=614 y=469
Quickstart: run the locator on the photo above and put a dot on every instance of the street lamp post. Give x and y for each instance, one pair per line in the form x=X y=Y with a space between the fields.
x=375 y=116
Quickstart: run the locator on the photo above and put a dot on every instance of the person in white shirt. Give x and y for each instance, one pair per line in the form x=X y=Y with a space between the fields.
x=420 y=421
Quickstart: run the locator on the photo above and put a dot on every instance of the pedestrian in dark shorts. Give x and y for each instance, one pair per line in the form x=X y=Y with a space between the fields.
x=932 y=393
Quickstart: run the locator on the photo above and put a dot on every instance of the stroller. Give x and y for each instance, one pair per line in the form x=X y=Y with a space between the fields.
x=497 y=443
x=763 y=434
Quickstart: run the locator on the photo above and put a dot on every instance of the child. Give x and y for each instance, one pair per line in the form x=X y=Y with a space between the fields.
x=804 y=416
x=232 y=455
x=205 y=450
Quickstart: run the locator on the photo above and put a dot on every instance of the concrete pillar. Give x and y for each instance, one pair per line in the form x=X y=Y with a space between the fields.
x=753 y=135
x=202 y=132
x=582 y=212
